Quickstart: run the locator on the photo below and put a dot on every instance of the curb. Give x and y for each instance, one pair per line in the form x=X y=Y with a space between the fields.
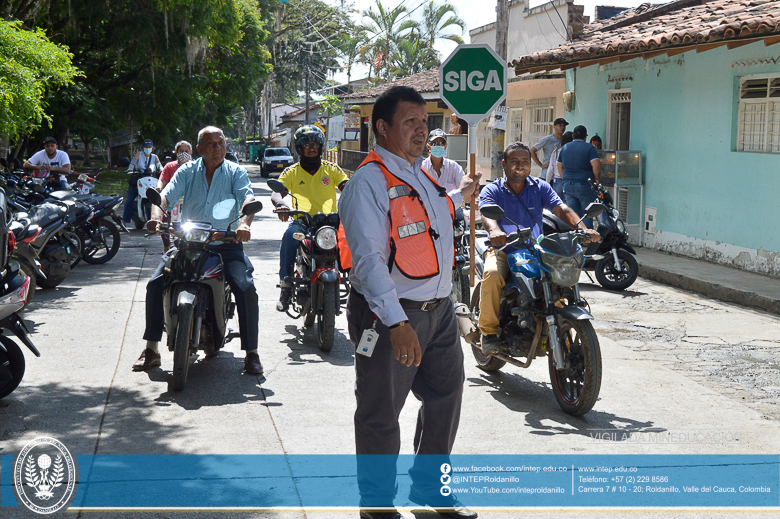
x=709 y=289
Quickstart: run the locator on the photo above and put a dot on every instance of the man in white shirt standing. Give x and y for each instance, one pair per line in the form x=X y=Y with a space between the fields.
x=50 y=159
x=447 y=173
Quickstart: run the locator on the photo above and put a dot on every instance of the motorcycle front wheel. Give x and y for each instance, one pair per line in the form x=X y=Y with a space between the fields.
x=460 y=286
x=326 y=319
x=104 y=243
x=11 y=367
x=609 y=277
x=576 y=387
x=76 y=247
x=181 y=349
x=485 y=362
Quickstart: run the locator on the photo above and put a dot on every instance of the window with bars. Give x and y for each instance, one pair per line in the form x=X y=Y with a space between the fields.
x=541 y=114
x=759 y=115
x=515 y=127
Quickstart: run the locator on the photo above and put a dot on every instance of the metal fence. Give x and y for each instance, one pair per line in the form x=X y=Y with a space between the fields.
x=350 y=160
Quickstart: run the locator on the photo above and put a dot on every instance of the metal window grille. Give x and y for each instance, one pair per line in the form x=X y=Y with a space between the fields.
x=759 y=115
x=515 y=125
x=541 y=114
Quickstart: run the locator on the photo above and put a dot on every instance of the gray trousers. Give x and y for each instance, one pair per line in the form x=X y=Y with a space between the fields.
x=381 y=389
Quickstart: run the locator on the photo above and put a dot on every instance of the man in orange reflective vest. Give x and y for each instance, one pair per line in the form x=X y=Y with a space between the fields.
x=398 y=225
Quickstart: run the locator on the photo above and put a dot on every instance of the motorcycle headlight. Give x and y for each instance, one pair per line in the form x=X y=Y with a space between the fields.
x=615 y=213
x=196 y=232
x=564 y=270
x=621 y=227
x=326 y=238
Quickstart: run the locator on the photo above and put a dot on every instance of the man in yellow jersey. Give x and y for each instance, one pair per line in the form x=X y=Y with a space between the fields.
x=313 y=182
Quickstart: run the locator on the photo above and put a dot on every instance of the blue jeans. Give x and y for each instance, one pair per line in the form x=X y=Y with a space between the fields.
x=132 y=194
x=557 y=185
x=288 y=249
x=578 y=197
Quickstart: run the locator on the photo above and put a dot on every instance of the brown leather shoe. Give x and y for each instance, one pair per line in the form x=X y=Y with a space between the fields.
x=252 y=364
x=147 y=360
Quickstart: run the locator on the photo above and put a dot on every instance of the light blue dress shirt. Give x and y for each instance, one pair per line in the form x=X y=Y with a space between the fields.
x=219 y=204
x=364 y=206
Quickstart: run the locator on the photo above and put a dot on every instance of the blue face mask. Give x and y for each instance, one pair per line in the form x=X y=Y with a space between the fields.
x=437 y=151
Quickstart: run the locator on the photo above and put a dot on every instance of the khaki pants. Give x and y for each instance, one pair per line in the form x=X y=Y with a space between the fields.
x=493 y=281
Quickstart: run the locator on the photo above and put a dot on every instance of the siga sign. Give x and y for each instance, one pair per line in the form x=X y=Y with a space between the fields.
x=473 y=81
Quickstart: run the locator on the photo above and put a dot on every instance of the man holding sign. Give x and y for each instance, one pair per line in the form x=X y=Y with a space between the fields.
x=398 y=224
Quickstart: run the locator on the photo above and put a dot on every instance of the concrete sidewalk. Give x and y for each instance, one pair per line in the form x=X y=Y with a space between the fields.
x=710 y=279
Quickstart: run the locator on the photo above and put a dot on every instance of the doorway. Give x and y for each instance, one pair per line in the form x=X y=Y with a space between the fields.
x=619 y=127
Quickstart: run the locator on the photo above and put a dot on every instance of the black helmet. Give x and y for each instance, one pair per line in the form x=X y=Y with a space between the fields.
x=306 y=134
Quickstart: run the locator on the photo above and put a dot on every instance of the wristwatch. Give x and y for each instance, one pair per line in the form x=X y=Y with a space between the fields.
x=398 y=325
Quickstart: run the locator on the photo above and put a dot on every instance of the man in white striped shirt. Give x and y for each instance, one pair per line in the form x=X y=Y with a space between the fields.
x=447 y=173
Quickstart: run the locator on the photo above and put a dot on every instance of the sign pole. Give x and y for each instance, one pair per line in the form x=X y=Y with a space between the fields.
x=473 y=204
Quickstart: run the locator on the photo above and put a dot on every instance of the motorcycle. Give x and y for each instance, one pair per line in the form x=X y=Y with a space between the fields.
x=612 y=259
x=541 y=313
x=461 y=292
x=14 y=288
x=142 y=207
x=316 y=280
x=196 y=294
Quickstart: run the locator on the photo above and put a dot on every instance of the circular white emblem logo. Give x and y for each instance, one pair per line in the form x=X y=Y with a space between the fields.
x=45 y=475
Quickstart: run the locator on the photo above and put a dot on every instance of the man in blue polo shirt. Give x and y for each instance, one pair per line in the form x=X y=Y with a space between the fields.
x=523 y=198
x=579 y=162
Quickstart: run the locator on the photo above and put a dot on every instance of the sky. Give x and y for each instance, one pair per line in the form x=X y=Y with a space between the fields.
x=474 y=12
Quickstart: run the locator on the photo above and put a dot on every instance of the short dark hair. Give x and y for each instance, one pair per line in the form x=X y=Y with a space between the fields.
x=387 y=104
x=514 y=147
x=566 y=138
x=596 y=138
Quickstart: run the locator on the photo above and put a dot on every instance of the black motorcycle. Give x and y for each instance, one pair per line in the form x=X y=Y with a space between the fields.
x=612 y=259
x=316 y=291
x=14 y=288
x=461 y=292
x=196 y=294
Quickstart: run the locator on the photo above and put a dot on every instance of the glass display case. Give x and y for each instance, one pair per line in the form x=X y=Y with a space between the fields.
x=621 y=172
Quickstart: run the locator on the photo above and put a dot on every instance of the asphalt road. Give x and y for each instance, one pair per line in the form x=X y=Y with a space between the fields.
x=672 y=362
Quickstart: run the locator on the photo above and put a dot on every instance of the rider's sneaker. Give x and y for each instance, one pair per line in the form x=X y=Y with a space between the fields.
x=284 y=299
x=490 y=344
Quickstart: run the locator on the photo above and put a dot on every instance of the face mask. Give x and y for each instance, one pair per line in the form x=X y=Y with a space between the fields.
x=437 y=151
x=147 y=151
x=183 y=157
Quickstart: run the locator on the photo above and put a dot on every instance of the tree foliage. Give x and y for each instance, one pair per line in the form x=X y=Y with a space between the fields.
x=29 y=64
x=436 y=19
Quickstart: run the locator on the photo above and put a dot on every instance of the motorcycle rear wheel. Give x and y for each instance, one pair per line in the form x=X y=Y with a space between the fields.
x=326 y=320
x=487 y=363
x=577 y=387
x=181 y=349
x=105 y=231
x=610 y=278
x=13 y=361
x=460 y=286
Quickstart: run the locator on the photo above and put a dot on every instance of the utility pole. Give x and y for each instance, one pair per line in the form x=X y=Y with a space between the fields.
x=497 y=140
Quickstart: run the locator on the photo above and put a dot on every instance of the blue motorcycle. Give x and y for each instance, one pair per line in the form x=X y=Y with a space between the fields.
x=542 y=312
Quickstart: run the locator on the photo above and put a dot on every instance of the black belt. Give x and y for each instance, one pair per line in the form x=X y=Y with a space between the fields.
x=425 y=306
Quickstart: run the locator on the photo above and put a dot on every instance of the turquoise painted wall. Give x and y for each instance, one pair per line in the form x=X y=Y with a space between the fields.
x=683 y=119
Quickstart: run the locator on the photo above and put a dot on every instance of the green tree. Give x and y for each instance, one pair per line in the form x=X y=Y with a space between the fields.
x=332 y=106
x=387 y=28
x=29 y=65
x=353 y=49
x=412 y=57
x=436 y=18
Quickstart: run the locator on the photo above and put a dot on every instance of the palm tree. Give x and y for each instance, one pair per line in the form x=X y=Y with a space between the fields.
x=434 y=23
x=412 y=57
x=387 y=28
x=353 y=48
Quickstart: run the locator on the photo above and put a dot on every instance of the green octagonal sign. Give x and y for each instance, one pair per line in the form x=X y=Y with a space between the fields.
x=472 y=80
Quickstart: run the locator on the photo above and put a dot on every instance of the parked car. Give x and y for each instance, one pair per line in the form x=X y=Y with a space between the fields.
x=231 y=157
x=274 y=160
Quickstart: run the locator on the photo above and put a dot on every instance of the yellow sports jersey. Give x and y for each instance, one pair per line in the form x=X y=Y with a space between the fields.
x=315 y=193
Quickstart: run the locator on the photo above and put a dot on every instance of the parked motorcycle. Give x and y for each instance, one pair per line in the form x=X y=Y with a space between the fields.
x=14 y=288
x=142 y=207
x=316 y=280
x=612 y=259
x=542 y=313
x=461 y=292
x=196 y=294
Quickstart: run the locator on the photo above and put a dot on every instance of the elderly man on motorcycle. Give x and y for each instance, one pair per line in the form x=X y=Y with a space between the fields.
x=214 y=191
x=523 y=198
x=313 y=182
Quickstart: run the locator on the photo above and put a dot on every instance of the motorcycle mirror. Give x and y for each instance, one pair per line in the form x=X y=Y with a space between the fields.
x=124 y=162
x=594 y=209
x=494 y=212
x=277 y=187
x=153 y=196
x=251 y=207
